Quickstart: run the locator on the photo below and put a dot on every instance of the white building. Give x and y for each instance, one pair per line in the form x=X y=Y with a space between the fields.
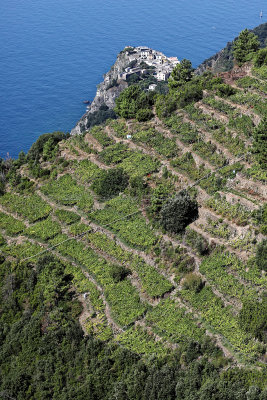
x=152 y=87
x=174 y=60
x=145 y=52
x=163 y=75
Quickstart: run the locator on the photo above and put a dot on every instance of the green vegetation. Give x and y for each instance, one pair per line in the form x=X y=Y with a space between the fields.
x=66 y=191
x=66 y=216
x=30 y=207
x=217 y=269
x=246 y=43
x=133 y=102
x=98 y=133
x=182 y=73
x=128 y=277
x=259 y=144
x=178 y=212
x=261 y=255
x=11 y=225
x=122 y=216
x=110 y=183
x=155 y=139
x=172 y=322
x=252 y=318
x=235 y=212
x=44 y=230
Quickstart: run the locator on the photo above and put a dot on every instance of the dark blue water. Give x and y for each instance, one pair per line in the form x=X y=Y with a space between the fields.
x=54 y=52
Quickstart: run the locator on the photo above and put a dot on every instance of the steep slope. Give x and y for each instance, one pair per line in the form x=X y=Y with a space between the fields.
x=82 y=241
x=223 y=60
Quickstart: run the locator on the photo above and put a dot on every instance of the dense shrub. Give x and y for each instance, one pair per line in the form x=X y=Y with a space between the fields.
x=178 y=212
x=191 y=92
x=261 y=58
x=165 y=105
x=119 y=273
x=245 y=44
x=110 y=182
x=253 y=318
x=145 y=114
x=181 y=74
x=193 y=282
x=132 y=100
x=224 y=90
x=45 y=143
x=261 y=255
x=259 y=143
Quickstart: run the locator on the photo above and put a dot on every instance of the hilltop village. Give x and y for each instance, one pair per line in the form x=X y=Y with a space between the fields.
x=133 y=63
x=145 y=57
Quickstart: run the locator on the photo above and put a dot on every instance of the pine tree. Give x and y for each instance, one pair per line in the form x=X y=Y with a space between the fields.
x=245 y=44
x=181 y=74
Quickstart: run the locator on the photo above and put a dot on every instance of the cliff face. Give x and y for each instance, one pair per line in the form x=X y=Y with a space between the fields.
x=141 y=63
x=107 y=91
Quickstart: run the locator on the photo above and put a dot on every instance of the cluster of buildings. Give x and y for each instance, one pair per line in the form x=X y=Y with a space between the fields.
x=163 y=65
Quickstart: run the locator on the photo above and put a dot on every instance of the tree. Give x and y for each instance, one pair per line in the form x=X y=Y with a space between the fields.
x=261 y=58
x=131 y=100
x=165 y=105
x=110 y=182
x=193 y=282
x=245 y=44
x=181 y=74
x=178 y=212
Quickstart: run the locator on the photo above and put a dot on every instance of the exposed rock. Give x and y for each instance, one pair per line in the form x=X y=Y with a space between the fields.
x=131 y=61
x=107 y=91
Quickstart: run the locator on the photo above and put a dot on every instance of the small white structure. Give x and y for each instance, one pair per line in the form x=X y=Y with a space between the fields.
x=174 y=60
x=129 y=136
x=145 y=52
x=152 y=86
x=162 y=75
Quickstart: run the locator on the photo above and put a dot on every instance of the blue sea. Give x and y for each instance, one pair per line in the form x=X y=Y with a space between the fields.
x=54 y=53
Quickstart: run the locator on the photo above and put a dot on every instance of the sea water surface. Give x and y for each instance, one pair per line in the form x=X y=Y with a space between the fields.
x=54 y=53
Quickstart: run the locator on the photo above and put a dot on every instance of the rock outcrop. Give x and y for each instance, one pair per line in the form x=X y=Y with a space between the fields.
x=140 y=61
x=107 y=91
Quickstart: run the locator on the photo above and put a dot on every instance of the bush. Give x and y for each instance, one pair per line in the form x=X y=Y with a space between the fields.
x=132 y=100
x=224 y=90
x=261 y=255
x=181 y=74
x=259 y=143
x=99 y=117
x=45 y=143
x=245 y=44
x=193 y=282
x=119 y=273
x=252 y=318
x=110 y=182
x=178 y=212
x=261 y=58
x=165 y=105
x=144 y=115
x=191 y=93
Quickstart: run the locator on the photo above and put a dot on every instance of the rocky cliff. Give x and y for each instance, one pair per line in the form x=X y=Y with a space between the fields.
x=108 y=90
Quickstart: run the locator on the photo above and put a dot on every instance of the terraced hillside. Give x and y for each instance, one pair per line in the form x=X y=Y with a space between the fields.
x=141 y=286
